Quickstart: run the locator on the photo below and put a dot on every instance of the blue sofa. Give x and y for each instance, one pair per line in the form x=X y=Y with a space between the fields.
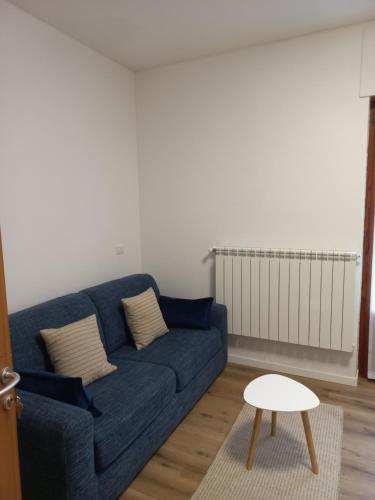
x=65 y=452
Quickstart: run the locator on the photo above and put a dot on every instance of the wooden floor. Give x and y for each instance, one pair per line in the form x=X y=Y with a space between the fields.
x=177 y=468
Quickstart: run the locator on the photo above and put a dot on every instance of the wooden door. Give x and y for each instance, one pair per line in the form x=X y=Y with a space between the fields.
x=10 y=488
x=368 y=241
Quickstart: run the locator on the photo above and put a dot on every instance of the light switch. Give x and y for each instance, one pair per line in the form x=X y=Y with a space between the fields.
x=119 y=249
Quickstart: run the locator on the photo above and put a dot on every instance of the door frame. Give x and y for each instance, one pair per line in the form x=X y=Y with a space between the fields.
x=10 y=483
x=368 y=250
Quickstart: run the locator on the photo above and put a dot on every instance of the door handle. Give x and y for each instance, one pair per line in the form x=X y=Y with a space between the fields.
x=10 y=379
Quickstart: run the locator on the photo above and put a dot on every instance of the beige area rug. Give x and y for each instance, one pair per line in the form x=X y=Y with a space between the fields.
x=282 y=468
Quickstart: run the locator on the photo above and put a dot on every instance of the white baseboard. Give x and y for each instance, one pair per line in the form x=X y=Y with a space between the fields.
x=292 y=370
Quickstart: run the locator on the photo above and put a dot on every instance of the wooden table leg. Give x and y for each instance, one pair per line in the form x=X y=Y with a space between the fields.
x=310 y=442
x=254 y=436
x=273 y=425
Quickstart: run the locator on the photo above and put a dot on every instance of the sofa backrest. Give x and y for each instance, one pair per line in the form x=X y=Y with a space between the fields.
x=107 y=299
x=28 y=348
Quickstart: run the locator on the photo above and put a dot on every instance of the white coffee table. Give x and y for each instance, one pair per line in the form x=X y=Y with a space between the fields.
x=277 y=393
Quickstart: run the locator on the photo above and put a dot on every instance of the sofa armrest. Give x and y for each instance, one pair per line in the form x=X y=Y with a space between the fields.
x=219 y=319
x=56 y=443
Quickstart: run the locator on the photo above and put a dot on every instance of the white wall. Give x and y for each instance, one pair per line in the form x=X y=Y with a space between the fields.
x=367 y=87
x=68 y=163
x=261 y=147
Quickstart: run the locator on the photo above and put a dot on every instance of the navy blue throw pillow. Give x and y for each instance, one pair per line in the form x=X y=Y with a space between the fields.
x=55 y=386
x=186 y=313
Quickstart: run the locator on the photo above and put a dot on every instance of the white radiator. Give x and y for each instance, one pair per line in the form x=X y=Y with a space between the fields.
x=298 y=296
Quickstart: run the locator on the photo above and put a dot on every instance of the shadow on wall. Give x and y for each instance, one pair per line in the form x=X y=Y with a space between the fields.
x=280 y=350
x=210 y=259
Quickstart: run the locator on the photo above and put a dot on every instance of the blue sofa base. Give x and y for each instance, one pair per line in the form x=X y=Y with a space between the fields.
x=127 y=466
x=65 y=453
x=38 y=470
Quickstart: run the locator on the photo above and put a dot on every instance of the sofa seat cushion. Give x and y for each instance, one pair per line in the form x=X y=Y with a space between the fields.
x=130 y=399
x=185 y=351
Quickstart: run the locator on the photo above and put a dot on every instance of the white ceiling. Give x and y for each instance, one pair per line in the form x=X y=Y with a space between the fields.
x=145 y=33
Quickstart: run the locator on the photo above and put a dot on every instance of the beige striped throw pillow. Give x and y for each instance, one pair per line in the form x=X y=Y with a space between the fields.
x=76 y=350
x=144 y=318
